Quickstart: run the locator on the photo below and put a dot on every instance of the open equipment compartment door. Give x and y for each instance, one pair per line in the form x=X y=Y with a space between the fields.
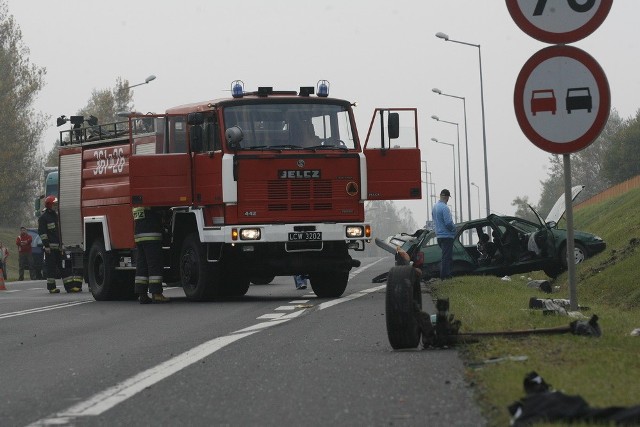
x=160 y=164
x=393 y=156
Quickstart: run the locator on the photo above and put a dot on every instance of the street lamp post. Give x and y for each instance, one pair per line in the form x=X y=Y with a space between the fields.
x=459 y=191
x=146 y=81
x=445 y=37
x=453 y=155
x=478 y=188
x=466 y=141
x=425 y=172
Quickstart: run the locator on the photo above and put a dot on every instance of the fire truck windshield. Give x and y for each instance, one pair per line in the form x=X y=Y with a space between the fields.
x=291 y=126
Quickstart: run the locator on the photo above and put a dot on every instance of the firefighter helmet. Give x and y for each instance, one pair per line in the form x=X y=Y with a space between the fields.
x=49 y=201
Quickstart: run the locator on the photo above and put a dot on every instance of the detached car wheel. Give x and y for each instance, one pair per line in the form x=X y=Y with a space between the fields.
x=403 y=303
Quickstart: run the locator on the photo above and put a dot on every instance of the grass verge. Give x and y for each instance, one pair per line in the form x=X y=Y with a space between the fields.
x=605 y=370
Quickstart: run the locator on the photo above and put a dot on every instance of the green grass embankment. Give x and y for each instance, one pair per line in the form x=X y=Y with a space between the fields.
x=604 y=370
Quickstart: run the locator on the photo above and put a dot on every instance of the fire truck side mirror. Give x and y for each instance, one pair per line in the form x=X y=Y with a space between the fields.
x=234 y=136
x=195 y=119
x=393 y=125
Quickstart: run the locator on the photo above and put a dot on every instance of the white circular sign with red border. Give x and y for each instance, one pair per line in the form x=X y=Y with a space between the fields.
x=559 y=21
x=562 y=99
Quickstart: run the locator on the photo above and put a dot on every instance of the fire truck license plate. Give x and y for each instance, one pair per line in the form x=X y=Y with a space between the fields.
x=305 y=236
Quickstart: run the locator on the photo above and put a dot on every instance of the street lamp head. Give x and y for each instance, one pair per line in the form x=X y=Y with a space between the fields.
x=434 y=117
x=146 y=81
x=434 y=139
x=436 y=90
x=442 y=36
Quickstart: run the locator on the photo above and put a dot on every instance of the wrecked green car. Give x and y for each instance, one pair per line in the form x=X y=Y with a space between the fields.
x=500 y=245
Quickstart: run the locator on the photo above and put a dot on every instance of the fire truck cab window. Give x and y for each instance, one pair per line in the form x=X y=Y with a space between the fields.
x=177 y=135
x=211 y=134
x=292 y=126
x=406 y=138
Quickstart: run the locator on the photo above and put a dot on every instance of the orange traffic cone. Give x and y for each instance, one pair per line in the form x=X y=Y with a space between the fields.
x=2 y=286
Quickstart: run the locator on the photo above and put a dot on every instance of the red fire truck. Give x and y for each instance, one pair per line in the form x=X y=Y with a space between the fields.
x=253 y=186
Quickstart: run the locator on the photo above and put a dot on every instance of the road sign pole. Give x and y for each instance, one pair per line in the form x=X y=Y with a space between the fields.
x=571 y=257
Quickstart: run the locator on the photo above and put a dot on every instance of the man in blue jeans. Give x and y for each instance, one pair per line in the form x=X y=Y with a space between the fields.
x=301 y=281
x=445 y=232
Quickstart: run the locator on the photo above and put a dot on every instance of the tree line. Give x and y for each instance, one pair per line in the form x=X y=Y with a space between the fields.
x=611 y=159
x=23 y=156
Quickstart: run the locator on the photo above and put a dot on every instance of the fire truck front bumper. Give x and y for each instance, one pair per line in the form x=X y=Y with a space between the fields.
x=294 y=236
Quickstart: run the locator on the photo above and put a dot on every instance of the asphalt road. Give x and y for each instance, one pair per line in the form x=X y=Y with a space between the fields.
x=277 y=356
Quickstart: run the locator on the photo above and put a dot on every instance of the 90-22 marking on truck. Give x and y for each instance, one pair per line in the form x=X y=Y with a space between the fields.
x=109 y=160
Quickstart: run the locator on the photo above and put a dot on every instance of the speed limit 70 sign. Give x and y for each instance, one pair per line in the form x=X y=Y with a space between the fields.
x=559 y=21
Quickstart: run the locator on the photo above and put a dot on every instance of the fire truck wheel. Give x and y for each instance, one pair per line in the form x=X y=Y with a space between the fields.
x=403 y=303
x=329 y=285
x=234 y=282
x=101 y=272
x=196 y=275
x=262 y=280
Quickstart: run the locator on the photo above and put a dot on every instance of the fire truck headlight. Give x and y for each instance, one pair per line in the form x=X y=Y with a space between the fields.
x=250 y=234
x=354 y=231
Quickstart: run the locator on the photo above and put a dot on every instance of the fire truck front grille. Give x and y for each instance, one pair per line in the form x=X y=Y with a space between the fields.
x=303 y=195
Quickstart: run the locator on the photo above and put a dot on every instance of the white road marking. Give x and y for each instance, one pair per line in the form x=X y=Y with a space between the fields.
x=331 y=303
x=285 y=308
x=270 y=316
x=107 y=399
x=41 y=309
x=357 y=271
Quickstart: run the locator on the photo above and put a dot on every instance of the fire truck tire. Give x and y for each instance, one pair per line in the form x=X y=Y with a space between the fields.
x=197 y=276
x=262 y=280
x=234 y=283
x=403 y=303
x=235 y=288
x=329 y=285
x=101 y=273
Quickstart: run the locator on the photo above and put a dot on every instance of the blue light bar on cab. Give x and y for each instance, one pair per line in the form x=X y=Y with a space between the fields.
x=237 y=88
x=323 y=88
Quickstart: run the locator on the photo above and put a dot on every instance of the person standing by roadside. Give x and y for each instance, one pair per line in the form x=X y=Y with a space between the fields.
x=49 y=230
x=25 y=258
x=445 y=232
x=149 y=264
x=4 y=254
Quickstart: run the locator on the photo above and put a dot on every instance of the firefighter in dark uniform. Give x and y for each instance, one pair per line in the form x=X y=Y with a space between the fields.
x=49 y=230
x=149 y=263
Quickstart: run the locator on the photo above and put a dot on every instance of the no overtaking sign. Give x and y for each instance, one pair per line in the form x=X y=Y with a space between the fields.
x=562 y=99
